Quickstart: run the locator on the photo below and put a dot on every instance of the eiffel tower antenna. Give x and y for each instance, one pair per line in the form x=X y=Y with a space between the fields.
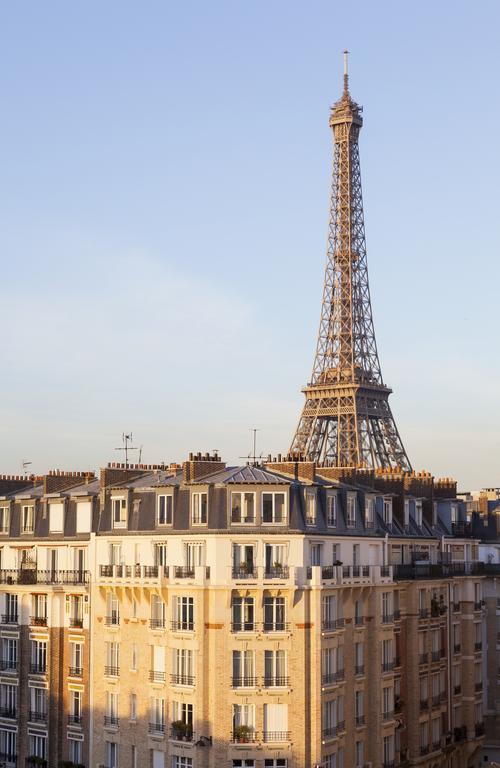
x=346 y=420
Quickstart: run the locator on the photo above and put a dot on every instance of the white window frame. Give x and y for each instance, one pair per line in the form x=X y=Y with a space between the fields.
x=273 y=495
x=331 y=509
x=27 y=516
x=197 y=515
x=122 y=502
x=351 y=504
x=245 y=518
x=169 y=514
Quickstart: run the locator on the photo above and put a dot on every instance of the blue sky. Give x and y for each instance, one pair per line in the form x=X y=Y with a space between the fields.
x=164 y=192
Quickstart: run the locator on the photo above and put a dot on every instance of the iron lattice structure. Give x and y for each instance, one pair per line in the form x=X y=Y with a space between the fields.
x=347 y=420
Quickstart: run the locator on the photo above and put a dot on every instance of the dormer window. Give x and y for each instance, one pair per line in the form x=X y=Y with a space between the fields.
x=331 y=510
x=407 y=513
x=388 y=511
x=310 y=508
x=56 y=517
x=351 y=510
x=165 y=509
x=119 y=511
x=4 y=519
x=243 y=507
x=273 y=507
x=418 y=513
x=199 y=506
x=28 y=515
x=454 y=514
x=369 y=511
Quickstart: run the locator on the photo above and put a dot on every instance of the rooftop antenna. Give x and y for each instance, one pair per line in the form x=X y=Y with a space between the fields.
x=25 y=465
x=126 y=447
x=253 y=456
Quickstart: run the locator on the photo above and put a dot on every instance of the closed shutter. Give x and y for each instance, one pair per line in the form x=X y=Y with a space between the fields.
x=83 y=516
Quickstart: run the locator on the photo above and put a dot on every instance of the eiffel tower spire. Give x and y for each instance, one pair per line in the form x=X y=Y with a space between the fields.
x=347 y=420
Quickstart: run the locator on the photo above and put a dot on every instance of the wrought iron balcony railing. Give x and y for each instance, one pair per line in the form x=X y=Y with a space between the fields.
x=182 y=679
x=32 y=575
x=111 y=720
x=276 y=681
x=182 y=626
x=36 y=716
x=243 y=682
x=156 y=677
x=274 y=736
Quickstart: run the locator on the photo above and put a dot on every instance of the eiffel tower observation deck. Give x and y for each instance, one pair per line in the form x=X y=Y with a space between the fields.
x=346 y=420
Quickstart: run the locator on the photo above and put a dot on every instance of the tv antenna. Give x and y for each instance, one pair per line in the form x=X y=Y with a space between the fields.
x=25 y=465
x=253 y=455
x=126 y=447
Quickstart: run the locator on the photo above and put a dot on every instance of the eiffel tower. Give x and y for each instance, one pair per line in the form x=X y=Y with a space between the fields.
x=347 y=420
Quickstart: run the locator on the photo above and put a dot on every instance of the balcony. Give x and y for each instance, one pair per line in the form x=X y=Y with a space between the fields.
x=243 y=734
x=455 y=607
x=424 y=658
x=424 y=749
x=462 y=529
x=36 y=762
x=181 y=731
x=157 y=677
x=111 y=721
x=387 y=666
x=75 y=719
x=8 y=712
x=359 y=720
x=276 y=682
x=276 y=626
x=387 y=618
x=34 y=576
x=244 y=572
x=10 y=618
x=436 y=746
x=423 y=613
x=35 y=716
x=150 y=572
x=331 y=625
x=424 y=704
x=111 y=671
x=243 y=682
x=457 y=648
x=9 y=759
x=397 y=614
x=38 y=621
x=359 y=669
x=182 y=679
x=333 y=678
x=76 y=671
x=156 y=727
x=243 y=626
x=478 y=687
x=157 y=623
x=278 y=572
x=460 y=733
x=388 y=715
x=359 y=621
x=38 y=668
x=478 y=605
x=457 y=689
x=113 y=620
x=184 y=626
x=478 y=647
x=436 y=655
x=76 y=622
x=436 y=701
x=276 y=736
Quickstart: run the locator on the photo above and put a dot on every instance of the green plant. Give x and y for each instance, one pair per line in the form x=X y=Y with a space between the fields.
x=278 y=566
x=242 y=733
x=179 y=728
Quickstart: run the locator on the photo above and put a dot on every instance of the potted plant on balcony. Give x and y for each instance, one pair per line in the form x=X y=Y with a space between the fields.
x=179 y=729
x=242 y=734
x=278 y=567
x=36 y=760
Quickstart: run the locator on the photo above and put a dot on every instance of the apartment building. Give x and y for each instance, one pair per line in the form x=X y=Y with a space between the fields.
x=274 y=616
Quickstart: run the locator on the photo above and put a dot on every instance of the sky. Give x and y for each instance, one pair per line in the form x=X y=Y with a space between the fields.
x=164 y=181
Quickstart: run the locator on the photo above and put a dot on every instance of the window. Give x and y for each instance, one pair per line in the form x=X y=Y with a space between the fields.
x=160 y=553
x=243 y=560
x=158 y=611
x=243 y=614
x=75 y=751
x=243 y=715
x=133 y=664
x=248 y=763
x=424 y=737
x=359 y=753
x=242 y=507
x=194 y=554
x=407 y=513
x=418 y=514
x=112 y=609
x=28 y=513
x=8 y=745
x=38 y=704
x=273 y=508
x=275 y=762
x=9 y=653
x=387 y=606
x=316 y=549
x=387 y=702
x=351 y=510
x=112 y=659
x=112 y=707
x=359 y=658
x=387 y=655
x=276 y=557
x=133 y=706
x=111 y=754
x=157 y=663
x=275 y=669
x=243 y=669
x=119 y=511
x=76 y=706
x=335 y=553
x=359 y=707
x=356 y=554
x=39 y=609
x=329 y=718
x=83 y=517
x=329 y=612
x=275 y=722
x=56 y=517
x=179 y=761
x=38 y=746
x=183 y=667
x=274 y=614
x=454 y=514
x=165 y=509
x=183 y=609
x=369 y=513
x=39 y=656
x=8 y=700
x=11 y=608
x=4 y=519
x=74 y=603
x=310 y=508
x=182 y=712
x=157 y=715
x=199 y=504
x=387 y=515
x=331 y=509
x=388 y=749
